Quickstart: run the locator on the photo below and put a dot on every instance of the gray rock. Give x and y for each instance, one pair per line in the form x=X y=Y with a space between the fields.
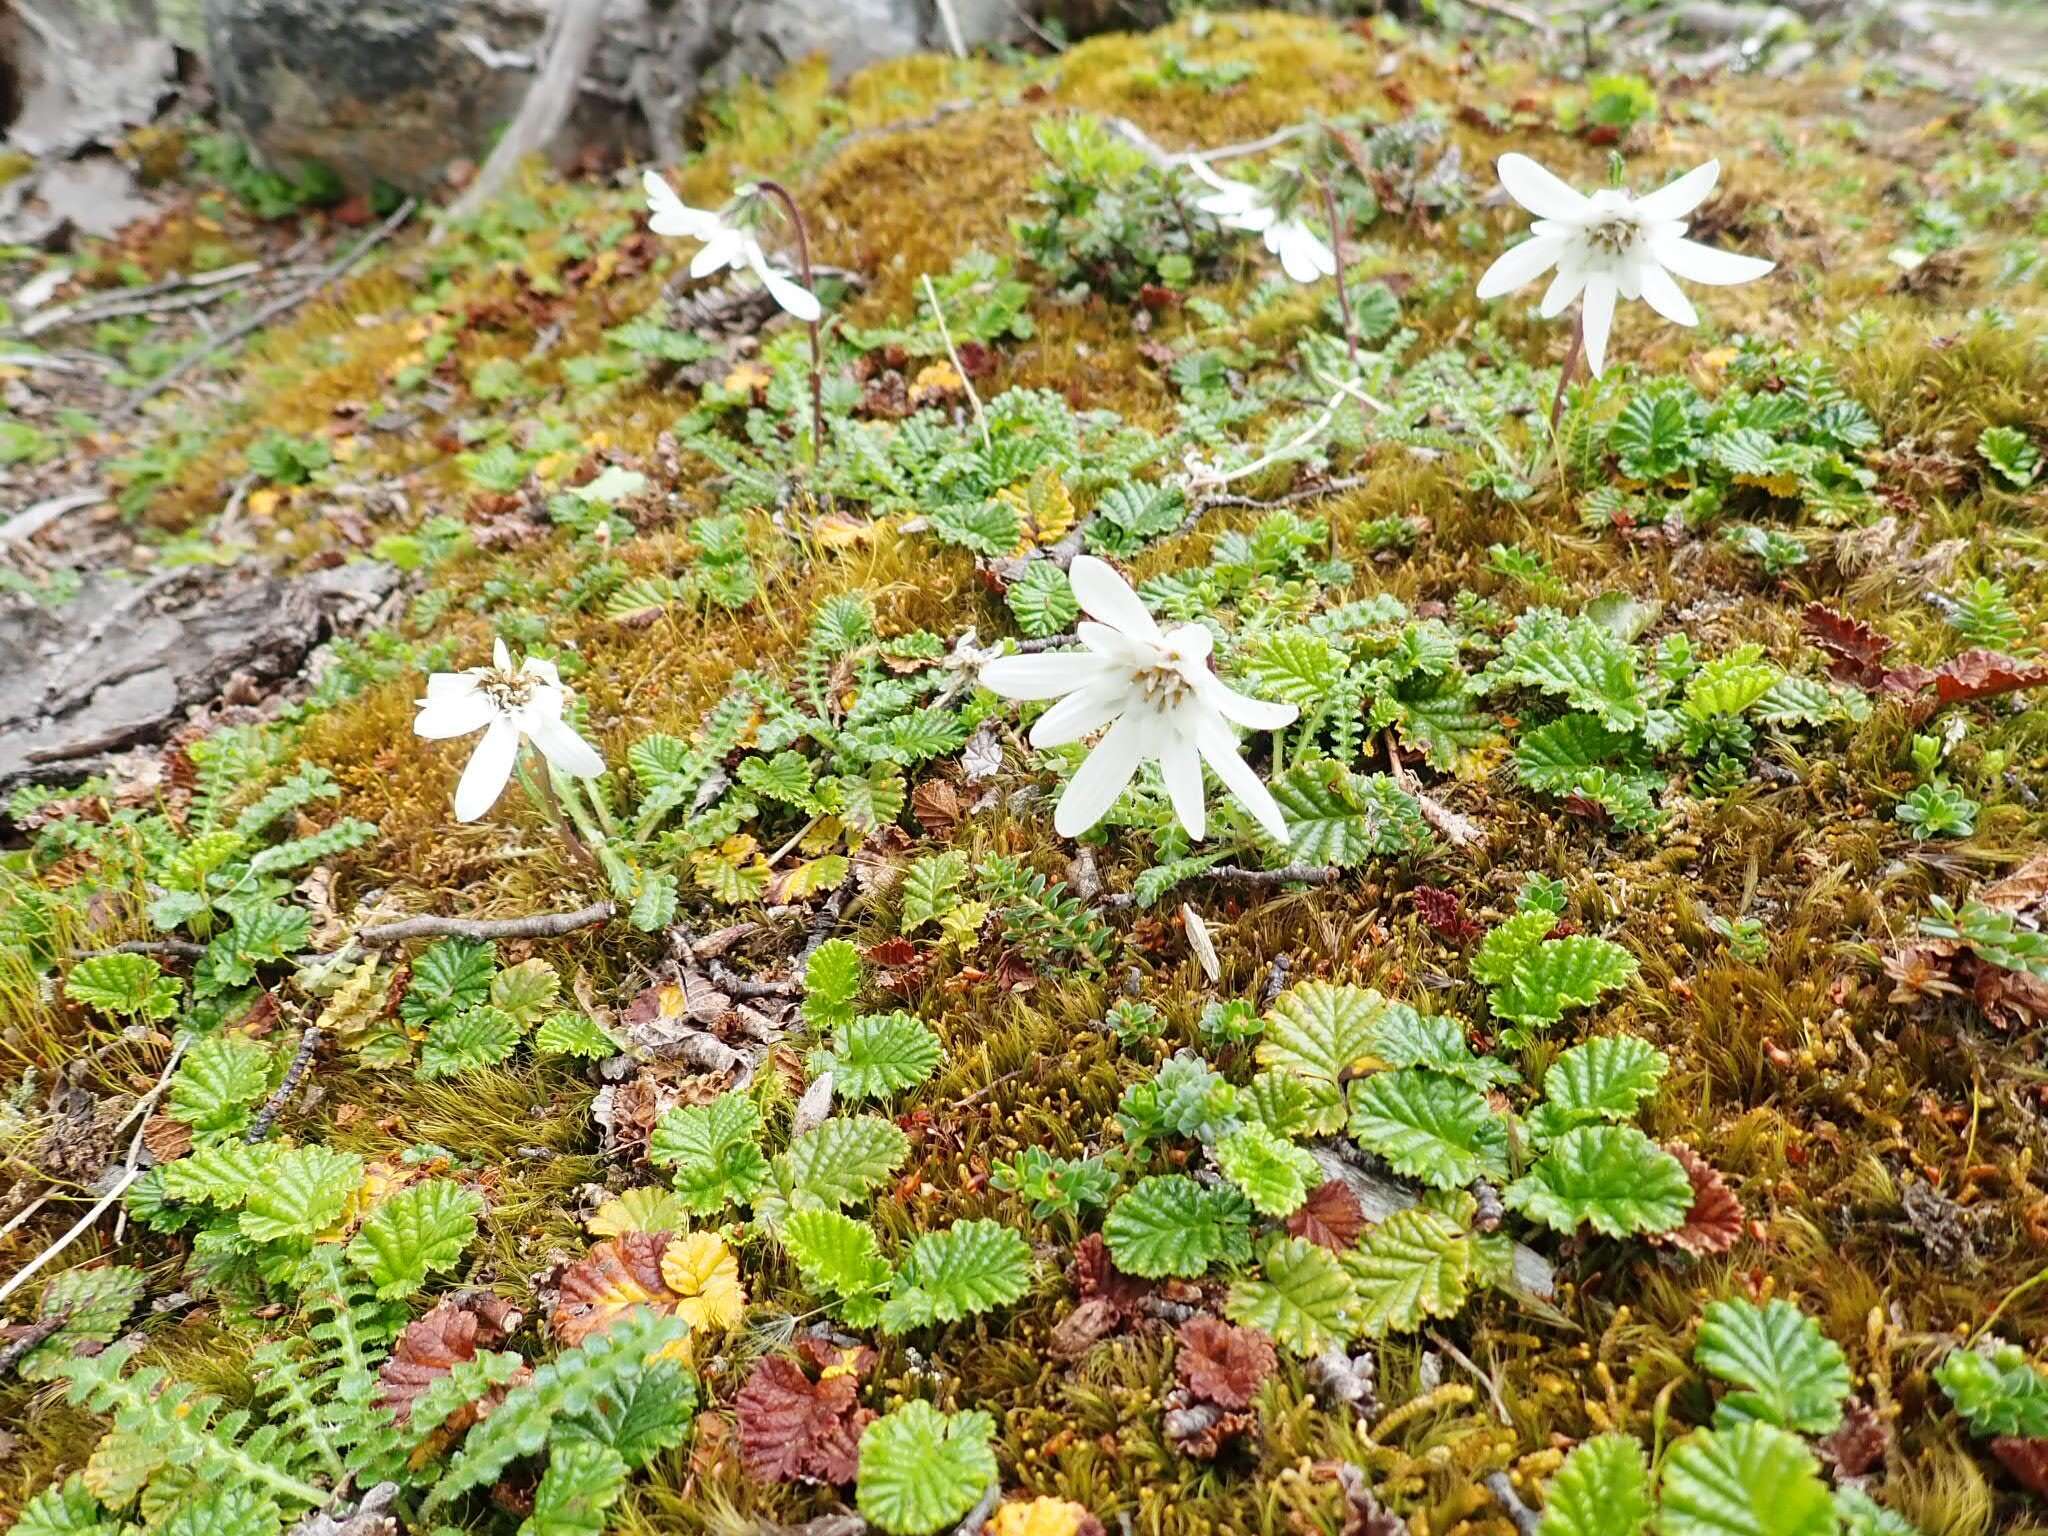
x=398 y=90
x=123 y=662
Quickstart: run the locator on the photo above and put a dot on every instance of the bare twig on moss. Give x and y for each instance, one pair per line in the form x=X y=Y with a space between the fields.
x=1460 y=830
x=273 y=1106
x=945 y=335
x=1527 y=1521
x=733 y=984
x=184 y=949
x=1500 y=1407
x=545 y=925
x=36 y=1333
x=140 y=1109
x=84 y=1223
x=283 y=304
x=1168 y=159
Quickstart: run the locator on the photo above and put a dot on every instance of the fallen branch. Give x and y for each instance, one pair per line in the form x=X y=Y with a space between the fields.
x=730 y=982
x=266 y=1117
x=545 y=925
x=140 y=1108
x=36 y=1333
x=1167 y=159
x=184 y=949
x=26 y=524
x=29 y=1270
x=1527 y=1521
x=1460 y=830
x=283 y=304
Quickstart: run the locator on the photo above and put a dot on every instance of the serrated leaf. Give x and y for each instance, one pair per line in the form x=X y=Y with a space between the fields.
x=1653 y=437
x=838 y=1254
x=1338 y=817
x=526 y=991
x=921 y=1469
x=217 y=1081
x=1316 y=1031
x=128 y=986
x=714 y=1151
x=414 y=1232
x=220 y=1174
x=1170 y=1225
x=66 y=1509
x=1554 y=757
x=583 y=1481
x=468 y=1042
x=1730 y=684
x=1796 y=701
x=1748 y=1480
x=1274 y=1174
x=1293 y=666
x=1792 y=1374
x=302 y=1194
x=1436 y=715
x=1612 y=1176
x=1042 y=600
x=1606 y=1077
x=1603 y=1489
x=879 y=1054
x=1302 y=1297
x=844 y=1160
x=1579 y=659
x=1572 y=972
x=970 y=1267
x=573 y=1034
x=833 y=977
x=1429 y=1127
x=785 y=777
x=448 y=976
x=930 y=886
x=1403 y=1037
x=988 y=528
x=654 y=904
x=1413 y=1266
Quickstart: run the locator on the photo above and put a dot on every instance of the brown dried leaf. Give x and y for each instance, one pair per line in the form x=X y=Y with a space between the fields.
x=2026 y=1460
x=1715 y=1220
x=608 y=1282
x=1096 y=1276
x=1091 y=1321
x=1856 y=651
x=1860 y=1443
x=2025 y=890
x=167 y=1139
x=1331 y=1217
x=1222 y=1363
x=792 y=1427
x=1983 y=674
x=434 y=1344
x=1201 y=1430
x=936 y=804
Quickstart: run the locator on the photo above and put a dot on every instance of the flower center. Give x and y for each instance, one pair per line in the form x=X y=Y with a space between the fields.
x=507 y=688
x=1162 y=686
x=1616 y=236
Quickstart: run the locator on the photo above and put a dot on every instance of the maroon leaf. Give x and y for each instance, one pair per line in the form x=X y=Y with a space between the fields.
x=1222 y=1363
x=435 y=1343
x=2026 y=1460
x=1443 y=912
x=1095 y=1275
x=1856 y=651
x=1860 y=1443
x=1715 y=1221
x=1983 y=674
x=1330 y=1217
x=792 y=1427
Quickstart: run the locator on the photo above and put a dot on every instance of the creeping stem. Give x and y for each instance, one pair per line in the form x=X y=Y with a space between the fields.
x=781 y=194
x=1567 y=373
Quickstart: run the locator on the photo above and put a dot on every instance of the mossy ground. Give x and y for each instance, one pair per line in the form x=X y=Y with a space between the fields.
x=1797 y=1075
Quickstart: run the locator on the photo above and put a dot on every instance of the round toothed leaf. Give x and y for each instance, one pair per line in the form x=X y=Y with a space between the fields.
x=1170 y=1225
x=124 y=985
x=1302 y=1296
x=713 y=1150
x=1559 y=974
x=1612 y=1176
x=879 y=1054
x=972 y=1266
x=413 y=1232
x=1429 y=1127
x=218 y=1080
x=1605 y=1078
x=1746 y=1480
x=303 y=1194
x=468 y=1042
x=1317 y=1030
x=1603 y=1489
x=1413 y=1266
x=1792 y=1374
x=921 y=1469
x=844 y=1160
x=1274 y=1174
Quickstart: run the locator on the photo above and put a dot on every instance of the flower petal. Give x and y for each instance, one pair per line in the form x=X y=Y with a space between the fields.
x=1181 y=765
x=670 y=215
x=1303 y=256
x=1566 y=286
x=1539 y=191
x=1520 y=264
x=1084 y=710
x=1040 y=677
x=489 y=770
x=453 y=714
x=1108 y=597
x=559 y=743
x=722 y=248
x=1698 y=263
x=793 y=298
x=1093 y=790
x=1666 y=297
x=1678 y=198
x=1241 y=709
x=501 y=658
x=1219 y=750
x=1598 y=319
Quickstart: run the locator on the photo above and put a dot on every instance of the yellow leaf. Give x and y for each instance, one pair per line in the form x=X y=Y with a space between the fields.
x=935 y=381
x=706 y=1279
x=346 y=447
x=649 y=1208
x=1041 y=1516
x=263 y=504
x=1044 y=505
x=746 y=378
x=836 y=530
x=963 y=924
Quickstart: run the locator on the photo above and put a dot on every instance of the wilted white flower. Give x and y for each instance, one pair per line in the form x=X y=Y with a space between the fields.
x=1612 y=246
x=507 y=704
x=1155 y=692
x=1240 y=205
x=726 y=244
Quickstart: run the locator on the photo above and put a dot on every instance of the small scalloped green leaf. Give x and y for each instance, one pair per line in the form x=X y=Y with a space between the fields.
x=1792 y=1374
x=1302 y=1296
x=1274 y=1174
x=1603 y=1489
x=1170 y=1225
x=921 y=1469
x=413 y=1232
x=1747 y=1480
x=1611 y=1176
x=1415 y=1265
x=1429 y=1127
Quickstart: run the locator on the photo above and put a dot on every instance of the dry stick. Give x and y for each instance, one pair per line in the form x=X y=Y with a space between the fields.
x=28 y=1271
x=782 y=195
x=184 y=949
x=953 y=356
x=1500 y=1406
x=952 y=22
x=1527 y=1521
x=1337 y=255
x=45 y=1328
x=140 y=1106
x=1565 y=374
x=283 y=304
x=579 y=24
x=545 y=925
x=273 y=1106
x=1237 y=874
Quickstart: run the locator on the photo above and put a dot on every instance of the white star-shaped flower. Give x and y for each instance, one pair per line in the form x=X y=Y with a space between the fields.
x=1612 y=246
x=725 y=245
x=1240 y=205
x=508 y=704
x=1154 y=690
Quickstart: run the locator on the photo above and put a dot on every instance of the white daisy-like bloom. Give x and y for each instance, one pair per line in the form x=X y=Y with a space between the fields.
x=1154 y=690
x=508 y=704
x=1240 y=205
x=1612 y=246
x=726 y=244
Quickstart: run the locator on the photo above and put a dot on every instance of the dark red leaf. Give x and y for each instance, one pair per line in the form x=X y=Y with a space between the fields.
x=433 y=1344
x=1860 y=1443
x=1715 y=1220
x=1443 y=912
x=2026 y=1460
x=1856 y=650
x=1331 y=1217
x=1222 y=1363
x=792 y=1427
x=1983 y=674
x=1095 y=1275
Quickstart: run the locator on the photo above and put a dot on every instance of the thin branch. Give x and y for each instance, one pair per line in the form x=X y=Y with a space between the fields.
x=141 y=1107
x=283 y=304
x=184 y=949
x=1527 y=1521
x=1167 y=159
x=1500 y=1406
x=273 y=1106
x=952 y=22
x=37 y=1332
x=959 y=367
x=733 y=984
x=545 y=925
x=1461 y=830
x=28 y=1271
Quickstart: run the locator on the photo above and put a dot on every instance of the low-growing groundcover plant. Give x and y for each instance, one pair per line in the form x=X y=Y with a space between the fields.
x=1138 y=899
